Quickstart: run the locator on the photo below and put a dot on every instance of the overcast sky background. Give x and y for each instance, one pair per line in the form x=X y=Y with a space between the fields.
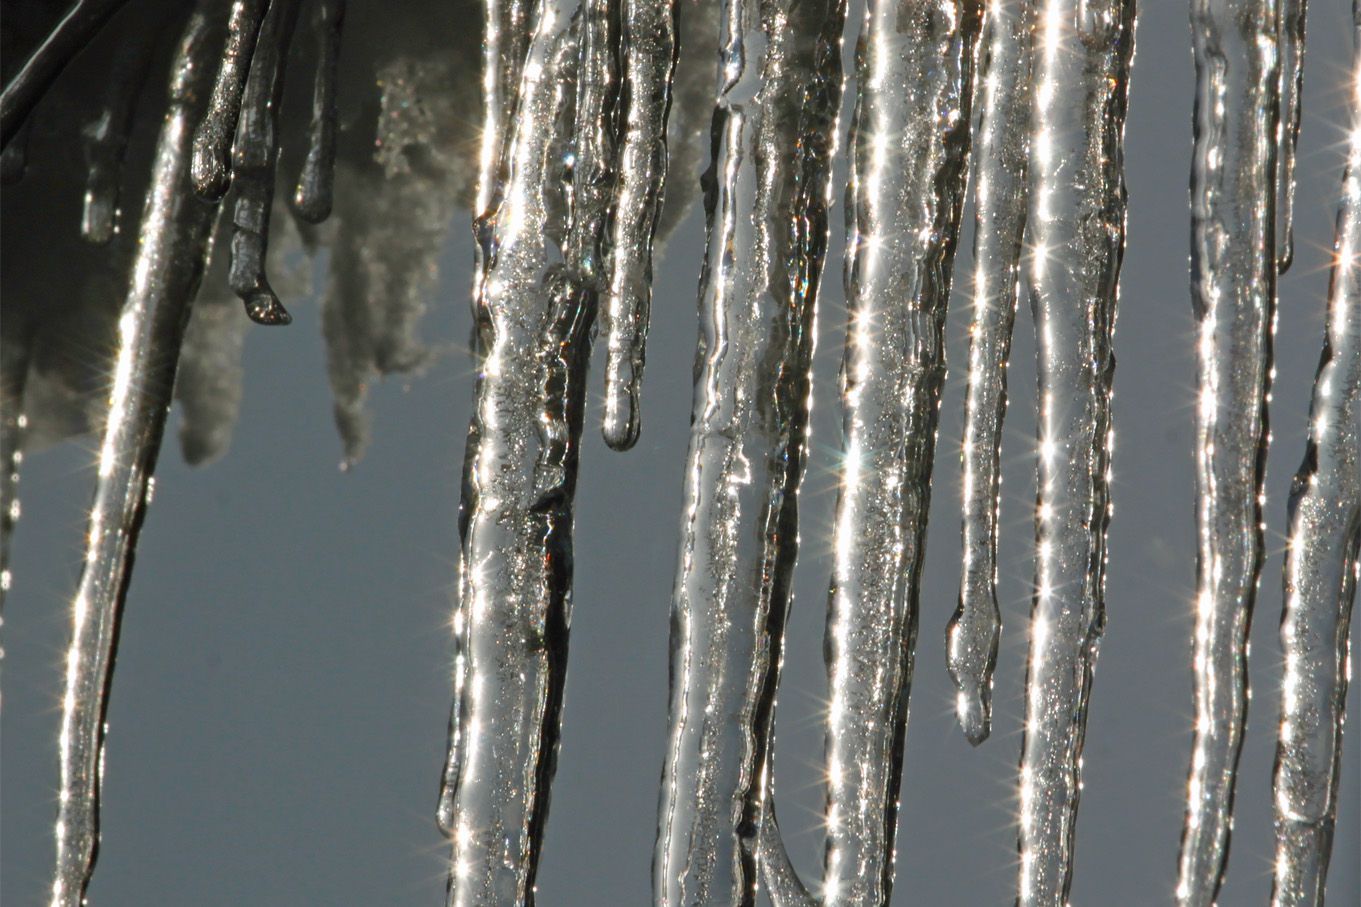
x=277 y=722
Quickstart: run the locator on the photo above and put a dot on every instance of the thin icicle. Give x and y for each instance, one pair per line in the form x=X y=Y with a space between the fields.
x=767 y=200
x=211 y=169
x=14 y=363
x=1233 y=291
x=649 y=55
x=1075 y=233
x=519 y=481
x=82 y=21
x=592 y=169
x=910 y=146
x=312 y=199
x=1321 y=565
x=172 y=245
x=106 y=135
x=253 y=158
x=1292 y=17
x=1003 y=92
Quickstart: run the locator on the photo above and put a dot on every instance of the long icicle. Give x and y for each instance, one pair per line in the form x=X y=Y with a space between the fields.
x=211 y=166
x=106 y=134
x=767 y=195
x=312 y=199
x=1292 y=30
x=1233 y=291
x=512 y=620
x=1075 y=235
x=1001 y=150
x=172 y=245
x=254 y=155
x=1321 y=565
x=649 y=57
x=910 y=146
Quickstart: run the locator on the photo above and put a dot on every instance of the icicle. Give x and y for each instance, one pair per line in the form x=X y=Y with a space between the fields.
x=649 y=56
x=506 y=31
x=1321 y=565
x=1075 y=233
x=14 y=363
x=81 y=23
x=313 y=196
x=516 y=515
x=592 y=156
x=1233 y=289
x=1292 y=17
x=910 y=145
x=767 y=199
x=106 y=135
x=1003 y=91
x=173 y=239
x=253 y=158
x=211 y=169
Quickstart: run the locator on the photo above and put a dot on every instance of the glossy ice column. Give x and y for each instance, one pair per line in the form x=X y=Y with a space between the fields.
x=76 y=28
x=767 y=196
x=1321 y=564
x=1002 y=92
x=211 y=168
x=516 y=514
x=312 y=199
x=592 y=153
x=1233 y=289
x=1292 y=30
x=106 y=134
x=648 y=50
x=172 y=244
x=506 y=31
x=1075 y=235
x=253 y=158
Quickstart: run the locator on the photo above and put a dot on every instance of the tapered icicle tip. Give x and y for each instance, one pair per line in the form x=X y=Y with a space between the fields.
x=973 y=708
x=622 y=423
x=264 y=307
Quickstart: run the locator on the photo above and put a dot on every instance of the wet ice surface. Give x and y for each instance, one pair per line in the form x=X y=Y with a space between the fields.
x=934 y=848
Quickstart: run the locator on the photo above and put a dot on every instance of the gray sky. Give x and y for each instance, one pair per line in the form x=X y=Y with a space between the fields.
x=278 y=714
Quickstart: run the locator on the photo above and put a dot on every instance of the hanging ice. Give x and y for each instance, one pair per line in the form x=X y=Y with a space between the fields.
x=254 y=154
x=519 y=479
x=648 y=49
x=1291 y=15
x=1075 y=233
x=106 y=135
x=312 y=199
x=1233 y=290
x=1000 y=153
x=1321 y=565
x=774 y=135
x=211 y=169
x=173 y=240
x=910 y=147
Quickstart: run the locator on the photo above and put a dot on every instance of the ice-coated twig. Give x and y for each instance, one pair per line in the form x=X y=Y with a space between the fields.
x=1292 y=30
x=172 y=245
x=254 y=155
x=81 y=23
x=1003 y=95
x=1233 y=290
x=1075 y=235
x=1321 y=565
x=511 y=623
x=106 y=135
x=312 y=198
x=648 y=49
x=766 y=203
x=211 y=166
